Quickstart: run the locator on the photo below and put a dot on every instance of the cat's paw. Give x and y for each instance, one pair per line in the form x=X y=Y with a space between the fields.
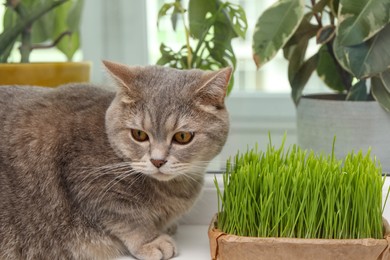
x=163 y=247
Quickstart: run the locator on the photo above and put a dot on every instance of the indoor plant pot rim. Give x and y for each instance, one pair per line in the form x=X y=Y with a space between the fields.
x=48 y=74
x=333 y=97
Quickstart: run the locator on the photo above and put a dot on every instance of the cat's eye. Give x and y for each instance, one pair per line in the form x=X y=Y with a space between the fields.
x=139 y=135
x=183 y=137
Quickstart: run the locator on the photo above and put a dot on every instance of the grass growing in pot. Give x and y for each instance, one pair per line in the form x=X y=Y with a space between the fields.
x=298 y=194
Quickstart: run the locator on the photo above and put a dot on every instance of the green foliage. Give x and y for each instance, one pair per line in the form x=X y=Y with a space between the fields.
x=296 y=193
x=212 y=25
x=32 y=24
x=352 y=37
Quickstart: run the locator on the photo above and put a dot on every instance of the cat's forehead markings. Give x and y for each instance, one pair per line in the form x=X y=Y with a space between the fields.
x=137 y=121
x=171 y=122
x=207 y=108
x=147 y=120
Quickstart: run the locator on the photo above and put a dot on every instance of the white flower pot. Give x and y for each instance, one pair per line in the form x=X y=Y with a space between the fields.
x=356 y=125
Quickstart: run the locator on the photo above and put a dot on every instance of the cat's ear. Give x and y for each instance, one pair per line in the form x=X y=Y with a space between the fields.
x=213 y=91
x=124 y=77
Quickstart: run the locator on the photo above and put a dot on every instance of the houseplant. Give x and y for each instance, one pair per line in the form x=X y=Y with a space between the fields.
x=351 y=57
x=209 y=28
x=30 y=25
x=295 y=204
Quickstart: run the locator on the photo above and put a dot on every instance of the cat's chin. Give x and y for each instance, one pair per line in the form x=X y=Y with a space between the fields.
x=162 y=176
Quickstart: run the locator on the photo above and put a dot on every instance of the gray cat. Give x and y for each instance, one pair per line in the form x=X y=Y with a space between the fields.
x=90 y=174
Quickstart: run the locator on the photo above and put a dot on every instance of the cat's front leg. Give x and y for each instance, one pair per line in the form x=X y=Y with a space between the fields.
x=171 y=229
x=148 y=244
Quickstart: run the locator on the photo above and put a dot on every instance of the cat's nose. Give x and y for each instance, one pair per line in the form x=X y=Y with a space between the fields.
x=158 y=163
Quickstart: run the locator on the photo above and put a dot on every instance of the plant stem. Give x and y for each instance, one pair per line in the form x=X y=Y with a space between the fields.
x=344 y=75
x=317 y=17
x=201 y=40
x=187 y=33
x=54 y=43
x=25 y=47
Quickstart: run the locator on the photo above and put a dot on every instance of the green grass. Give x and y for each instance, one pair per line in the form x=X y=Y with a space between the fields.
x=300 y=194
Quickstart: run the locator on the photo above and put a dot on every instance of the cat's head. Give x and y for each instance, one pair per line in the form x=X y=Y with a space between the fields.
x=167 y=122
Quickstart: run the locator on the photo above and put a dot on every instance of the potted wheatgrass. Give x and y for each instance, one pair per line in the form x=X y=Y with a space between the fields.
x=295 y=204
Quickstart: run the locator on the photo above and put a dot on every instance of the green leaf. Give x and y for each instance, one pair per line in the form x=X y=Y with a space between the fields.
x=173 y=59
x=42 y=30
x=237 y=19
x=305 y=29
x=328 y=71
x=380 y=93
x=74 y=16
x=197 y=15
x=164 y=10
x=300 y=79
x=219 y=46
x=175 y=14
x=358 y=92
x=334 y=7
x=320 y=6
x=10 y=18
x=68 y=44
x=214 y=49
x=366 y=59
x=167 y=55
x=296 y=57
x=4 y=54
x=9 y=35
x=359 y=20
x=274 y=28
x=177 y=9
x=326 y=34
x=385 y=78
x=230 y=86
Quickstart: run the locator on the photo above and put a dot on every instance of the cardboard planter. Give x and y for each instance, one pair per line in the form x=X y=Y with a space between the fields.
x=231 y=247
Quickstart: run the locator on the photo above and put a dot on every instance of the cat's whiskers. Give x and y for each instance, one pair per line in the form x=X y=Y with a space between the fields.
x=140 y=163
x=104 y=169
x=191 y=171
x=102 y=192
x=139 y=166
x=190 y=179
x=100 y=172
x=116 y=181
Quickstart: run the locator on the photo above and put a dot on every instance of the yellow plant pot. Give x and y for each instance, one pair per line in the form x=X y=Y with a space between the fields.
x=48 y=74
